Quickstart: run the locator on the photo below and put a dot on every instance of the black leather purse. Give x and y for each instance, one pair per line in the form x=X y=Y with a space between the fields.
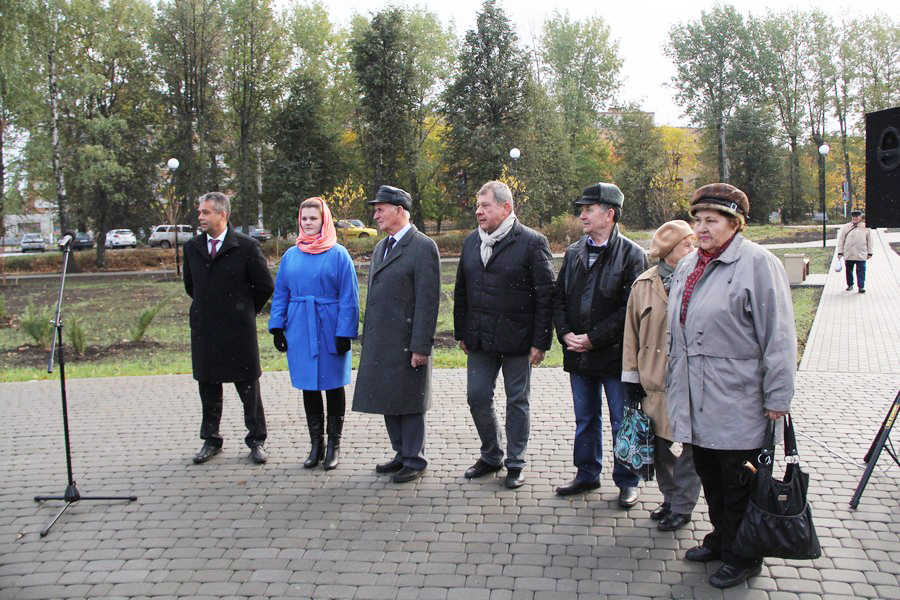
x=778 y=521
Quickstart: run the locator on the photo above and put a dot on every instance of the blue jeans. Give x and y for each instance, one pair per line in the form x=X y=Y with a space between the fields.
x=586 y=394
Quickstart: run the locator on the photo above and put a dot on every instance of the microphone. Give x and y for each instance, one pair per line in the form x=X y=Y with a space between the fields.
x=66 y=239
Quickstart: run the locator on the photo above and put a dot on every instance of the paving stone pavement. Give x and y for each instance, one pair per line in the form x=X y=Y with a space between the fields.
x=231 y=529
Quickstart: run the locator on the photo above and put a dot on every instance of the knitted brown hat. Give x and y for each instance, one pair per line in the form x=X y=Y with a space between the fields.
x=667 y=237
x=722 y=197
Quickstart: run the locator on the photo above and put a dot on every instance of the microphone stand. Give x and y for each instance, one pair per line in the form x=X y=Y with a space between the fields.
x=71 y=495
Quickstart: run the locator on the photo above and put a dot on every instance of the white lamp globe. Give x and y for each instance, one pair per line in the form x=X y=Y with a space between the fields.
x=824 y=149
x=515 y=154
x=172 y=163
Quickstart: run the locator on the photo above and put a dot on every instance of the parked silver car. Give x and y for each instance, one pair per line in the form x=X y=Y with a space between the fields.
x=120 y=238
x=32 y=242
x=260 y=235
x=164 y=235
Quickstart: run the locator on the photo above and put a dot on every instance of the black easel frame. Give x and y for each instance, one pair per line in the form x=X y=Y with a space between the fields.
x=71 y=495
x=875 y=450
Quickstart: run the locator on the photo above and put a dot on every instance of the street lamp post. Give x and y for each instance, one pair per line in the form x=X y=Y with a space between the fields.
x=173 y=164
x=514 y=154
x=823 y=152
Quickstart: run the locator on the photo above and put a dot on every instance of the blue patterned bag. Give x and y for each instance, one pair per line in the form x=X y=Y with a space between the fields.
x=634 y=443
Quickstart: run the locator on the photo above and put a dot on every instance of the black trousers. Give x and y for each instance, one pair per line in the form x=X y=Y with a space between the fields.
x=726 y=485
x=336 y=400
x=254 y=416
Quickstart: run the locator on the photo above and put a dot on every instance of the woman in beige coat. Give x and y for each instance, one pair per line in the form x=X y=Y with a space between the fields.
x=644 y=356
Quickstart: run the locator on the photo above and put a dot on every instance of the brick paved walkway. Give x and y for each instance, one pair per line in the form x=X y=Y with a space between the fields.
x=232 y=529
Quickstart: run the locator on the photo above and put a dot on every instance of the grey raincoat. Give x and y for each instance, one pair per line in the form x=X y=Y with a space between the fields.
x=736 y=355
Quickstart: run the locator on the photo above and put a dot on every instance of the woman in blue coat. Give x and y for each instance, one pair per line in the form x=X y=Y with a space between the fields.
x=315 y=314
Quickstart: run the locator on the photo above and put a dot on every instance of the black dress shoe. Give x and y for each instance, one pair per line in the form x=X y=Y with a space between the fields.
x=628 y=496
x=407 y=474
x=258 y=455
x=673 y=521
x=576 y=487
x=702 y=554
x=514 y=478
x=729 y=576
x=206 y=453
x=481 y=468
x=661 y=511
x=391 y=466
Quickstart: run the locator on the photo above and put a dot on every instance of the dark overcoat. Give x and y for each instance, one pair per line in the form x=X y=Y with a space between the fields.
x=228 y=291
x=402 y=303
x=506 y=306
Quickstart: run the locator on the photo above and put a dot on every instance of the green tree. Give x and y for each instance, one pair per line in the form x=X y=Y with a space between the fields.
x=110 y=107
x=546 y=166
x=256 y=60
x=485 y=105
x=710 y=57
x=188 y=44
x=305 y=155
x=19 y=84
x=383 y=65
x=757 y=161
x=780 y=47
x=641 y=173
x=584 y=65
x=821 y=74
x=878 y=58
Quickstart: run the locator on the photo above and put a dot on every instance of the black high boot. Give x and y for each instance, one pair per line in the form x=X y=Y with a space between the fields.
x=316 y=440
x=335 y=427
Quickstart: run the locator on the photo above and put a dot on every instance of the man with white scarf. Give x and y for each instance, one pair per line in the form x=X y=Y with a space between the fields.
x=503 y=318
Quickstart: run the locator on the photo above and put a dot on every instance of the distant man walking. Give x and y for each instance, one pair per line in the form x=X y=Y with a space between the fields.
x=402 y=303
x=226 y=275
x=502 y=317
x=589 y=311
x=854 y=244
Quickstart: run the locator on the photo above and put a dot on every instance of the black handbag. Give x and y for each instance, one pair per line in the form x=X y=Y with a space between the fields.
x=778 y=521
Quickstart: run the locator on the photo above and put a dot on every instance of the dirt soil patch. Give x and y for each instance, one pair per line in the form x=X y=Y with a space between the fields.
x=31 y=355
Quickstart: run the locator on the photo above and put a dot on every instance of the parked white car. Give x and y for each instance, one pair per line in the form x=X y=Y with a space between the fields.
x=32 y=242
x=164 y=235
x=120 y=238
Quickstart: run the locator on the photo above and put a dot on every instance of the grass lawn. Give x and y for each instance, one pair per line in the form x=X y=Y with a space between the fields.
x=108 y=308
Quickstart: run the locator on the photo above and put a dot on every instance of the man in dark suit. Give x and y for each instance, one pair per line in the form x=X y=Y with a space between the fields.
x=502 y=317
x=226 y=275
x=402 y=300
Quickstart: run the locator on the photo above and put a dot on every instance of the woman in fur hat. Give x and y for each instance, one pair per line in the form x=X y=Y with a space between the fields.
x=732 y=360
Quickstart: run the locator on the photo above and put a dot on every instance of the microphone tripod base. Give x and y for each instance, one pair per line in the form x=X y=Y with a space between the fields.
x=70 y=497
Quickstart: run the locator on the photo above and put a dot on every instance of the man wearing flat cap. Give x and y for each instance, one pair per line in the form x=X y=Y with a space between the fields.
x=854 y=245
x=502 y=317
x=644 y=358
x=394 y=377
x=592 y=292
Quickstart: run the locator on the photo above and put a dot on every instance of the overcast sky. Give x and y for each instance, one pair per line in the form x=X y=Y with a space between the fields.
x=640 y=27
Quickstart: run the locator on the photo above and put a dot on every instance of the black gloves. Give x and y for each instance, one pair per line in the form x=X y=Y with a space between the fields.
x=342 y=344
x=279 y=340
x=635 y=392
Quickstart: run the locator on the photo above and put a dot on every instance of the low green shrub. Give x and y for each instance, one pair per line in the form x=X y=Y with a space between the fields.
x=37 y=323
x=140 y=328
x=77 y=336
